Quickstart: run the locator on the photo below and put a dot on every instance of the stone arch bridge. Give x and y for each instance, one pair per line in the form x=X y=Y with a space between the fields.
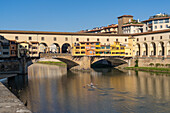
x=85 y=62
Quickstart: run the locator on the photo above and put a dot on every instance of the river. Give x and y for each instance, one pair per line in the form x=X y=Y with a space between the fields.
x=53 y=89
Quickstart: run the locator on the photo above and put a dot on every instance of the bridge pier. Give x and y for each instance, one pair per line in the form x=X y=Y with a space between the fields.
x=85 y=63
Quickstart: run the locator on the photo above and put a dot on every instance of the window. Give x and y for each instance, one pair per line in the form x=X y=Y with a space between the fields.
x=122 y=48
x=103 y=47
x=16 y=38
x=5 y=47
x=97 y=43
x=34 y=47
x=116 y=40
x=125 y=40
x=107 y=40
x=55 y=38
x=107 y=47
x=42 y=38
x=146 y=28
x=82 y=52
x=160 y=26
x=92 y=47
x=152 y=38
x=66 y=39
x=77 y=52
x=97 y=47
x=145 y=39
x=13 y=42
x=160 y=37
x=77 y=47
x=167 y=26
x=166 y=20
x=155 y=27
x=137 y=39
x=160 y=21
x=77 y=39
x=82 y=47
x=6 y=53
x=87 y=39
x=29 y=38
x=98 y=39
x=117 y=48
x=87 y=43
x=155 y=21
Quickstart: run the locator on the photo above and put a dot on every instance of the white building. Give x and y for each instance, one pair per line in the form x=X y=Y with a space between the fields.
x=157 y=22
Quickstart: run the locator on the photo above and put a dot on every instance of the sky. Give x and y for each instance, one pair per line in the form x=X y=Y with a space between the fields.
x=73 y=15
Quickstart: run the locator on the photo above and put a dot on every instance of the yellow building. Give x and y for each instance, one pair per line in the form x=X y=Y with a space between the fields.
x=96 y=49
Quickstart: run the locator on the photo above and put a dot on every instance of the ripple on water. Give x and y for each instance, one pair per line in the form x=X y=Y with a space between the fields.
x=104 y=94
x=105 y=88
x=91 y=89
x=140 y=98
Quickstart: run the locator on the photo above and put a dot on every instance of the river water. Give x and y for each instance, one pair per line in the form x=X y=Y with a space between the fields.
x=53 y=89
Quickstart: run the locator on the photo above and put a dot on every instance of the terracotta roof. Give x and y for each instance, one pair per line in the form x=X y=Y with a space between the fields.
x=113 y=26
x=155 y=19
x=152 y=32
x=12 y=40
x=132 y=25
x=58 y=33
x=125 y=16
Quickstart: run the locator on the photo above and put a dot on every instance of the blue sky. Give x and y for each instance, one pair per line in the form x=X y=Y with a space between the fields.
x=73 y=15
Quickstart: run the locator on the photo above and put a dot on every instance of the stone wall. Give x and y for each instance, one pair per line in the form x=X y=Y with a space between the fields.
x=7 y=66
x=144 y=62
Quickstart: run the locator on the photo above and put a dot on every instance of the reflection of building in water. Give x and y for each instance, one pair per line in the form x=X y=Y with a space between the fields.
x=49 y=88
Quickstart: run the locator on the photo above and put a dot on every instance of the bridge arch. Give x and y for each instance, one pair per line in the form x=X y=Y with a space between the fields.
x=110 y=61
x=152 y=49
x=43 y=48
x=66 y=48
x=54 y=48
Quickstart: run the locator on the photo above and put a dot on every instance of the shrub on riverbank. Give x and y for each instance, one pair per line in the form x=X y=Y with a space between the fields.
x=153 y=69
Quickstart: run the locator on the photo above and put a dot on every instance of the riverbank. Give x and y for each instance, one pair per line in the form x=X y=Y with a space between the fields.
x=150 y=69
x=52 y=63
x=9 y=103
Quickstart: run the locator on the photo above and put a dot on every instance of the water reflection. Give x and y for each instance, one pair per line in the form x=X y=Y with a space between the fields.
x=52 y=89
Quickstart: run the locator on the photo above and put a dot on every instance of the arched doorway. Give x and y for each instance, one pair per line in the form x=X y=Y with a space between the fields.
x=145 y=49
x=137 y=48
x=43 y=48
x=66 y=48
x=161 y=49
x=152 y=49
x=55 y=48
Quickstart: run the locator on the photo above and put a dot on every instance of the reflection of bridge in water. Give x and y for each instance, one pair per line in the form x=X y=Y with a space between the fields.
x=85 y=62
